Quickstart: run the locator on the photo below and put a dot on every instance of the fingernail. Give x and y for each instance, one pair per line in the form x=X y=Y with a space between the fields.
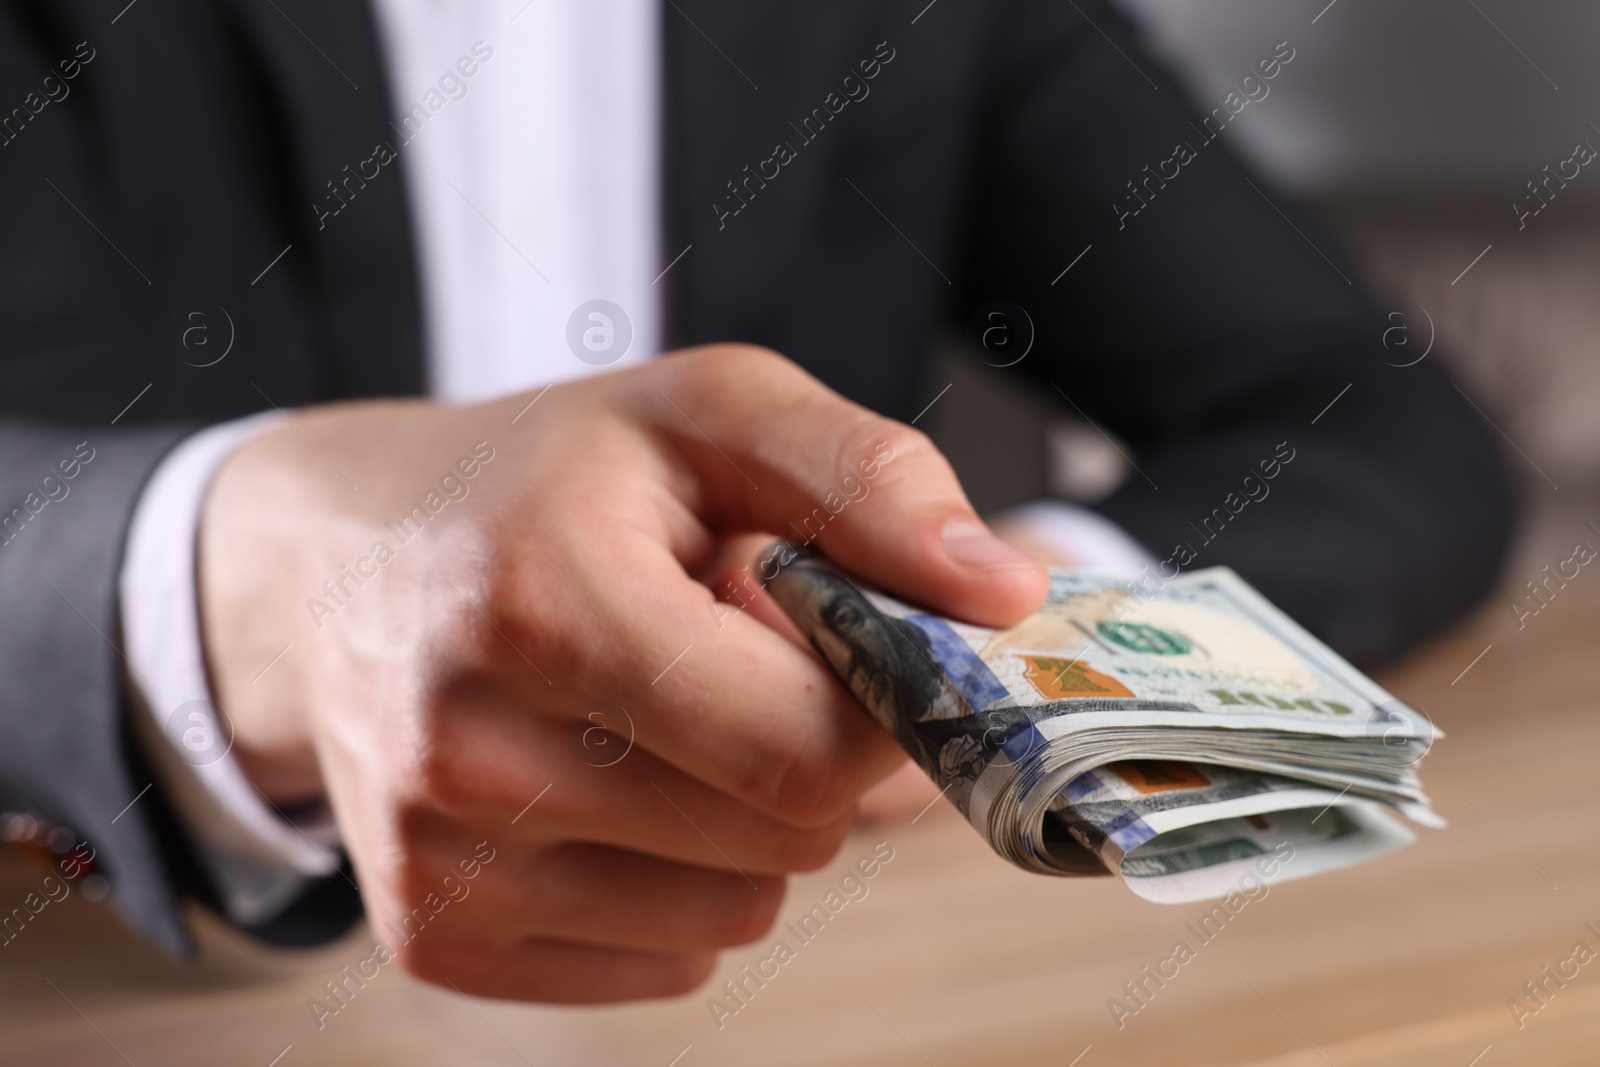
x=970 y=544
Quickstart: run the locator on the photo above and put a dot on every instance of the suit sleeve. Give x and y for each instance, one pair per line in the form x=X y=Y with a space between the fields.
x=137 y=194
x=1219 y=332
x=67 y=494
x=67 y=750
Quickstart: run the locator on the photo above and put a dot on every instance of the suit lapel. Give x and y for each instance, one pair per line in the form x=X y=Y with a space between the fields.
x=351 y=233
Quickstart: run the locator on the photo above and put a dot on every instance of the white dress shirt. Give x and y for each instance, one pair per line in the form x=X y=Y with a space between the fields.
x=534 y=190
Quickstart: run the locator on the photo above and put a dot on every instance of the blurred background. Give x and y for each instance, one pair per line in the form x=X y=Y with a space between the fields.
x=1411 y=128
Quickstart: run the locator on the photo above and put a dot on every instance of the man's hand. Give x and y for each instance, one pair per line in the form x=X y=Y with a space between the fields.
x=470 y=593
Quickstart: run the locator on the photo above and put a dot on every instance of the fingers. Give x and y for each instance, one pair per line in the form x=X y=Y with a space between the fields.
x=732 y=577
x=774 y=450
x=745 y=711
x=590 y=894
x=710 y=691
x=540 y=781
x=536 y=916
x=553 y=971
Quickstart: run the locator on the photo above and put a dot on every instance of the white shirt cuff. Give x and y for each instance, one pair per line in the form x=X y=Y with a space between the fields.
x=1092 y=541
x=259 y=860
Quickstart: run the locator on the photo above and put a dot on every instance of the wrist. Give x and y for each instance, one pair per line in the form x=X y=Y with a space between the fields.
x=246 y=577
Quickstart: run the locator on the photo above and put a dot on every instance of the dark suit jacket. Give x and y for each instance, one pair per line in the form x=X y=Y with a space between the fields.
x=995 y=141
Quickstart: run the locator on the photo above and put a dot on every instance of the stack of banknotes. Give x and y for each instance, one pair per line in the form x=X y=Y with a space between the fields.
x=1172 y=731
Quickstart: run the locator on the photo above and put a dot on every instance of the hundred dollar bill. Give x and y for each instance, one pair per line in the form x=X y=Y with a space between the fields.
x=1168 y=731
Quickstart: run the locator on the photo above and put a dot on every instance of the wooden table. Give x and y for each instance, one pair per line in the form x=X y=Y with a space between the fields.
x=954 y=957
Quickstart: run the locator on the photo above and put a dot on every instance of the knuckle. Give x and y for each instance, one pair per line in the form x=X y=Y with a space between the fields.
x=811 y=789
x=412 y=881
x=879 y=442
x=426 y=962
x=534 y=596
x=722 y=359
x=747 y=915
x=681 y=974
x=460 y=769
x=714 y=372
x=438 y=778
x=807 y=850
x=507 y=611
x=890 y=454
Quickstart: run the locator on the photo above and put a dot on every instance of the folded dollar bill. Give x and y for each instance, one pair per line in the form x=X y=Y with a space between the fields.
x=1172 y=731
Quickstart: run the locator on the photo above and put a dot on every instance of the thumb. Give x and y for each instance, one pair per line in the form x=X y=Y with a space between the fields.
x=773 y=450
